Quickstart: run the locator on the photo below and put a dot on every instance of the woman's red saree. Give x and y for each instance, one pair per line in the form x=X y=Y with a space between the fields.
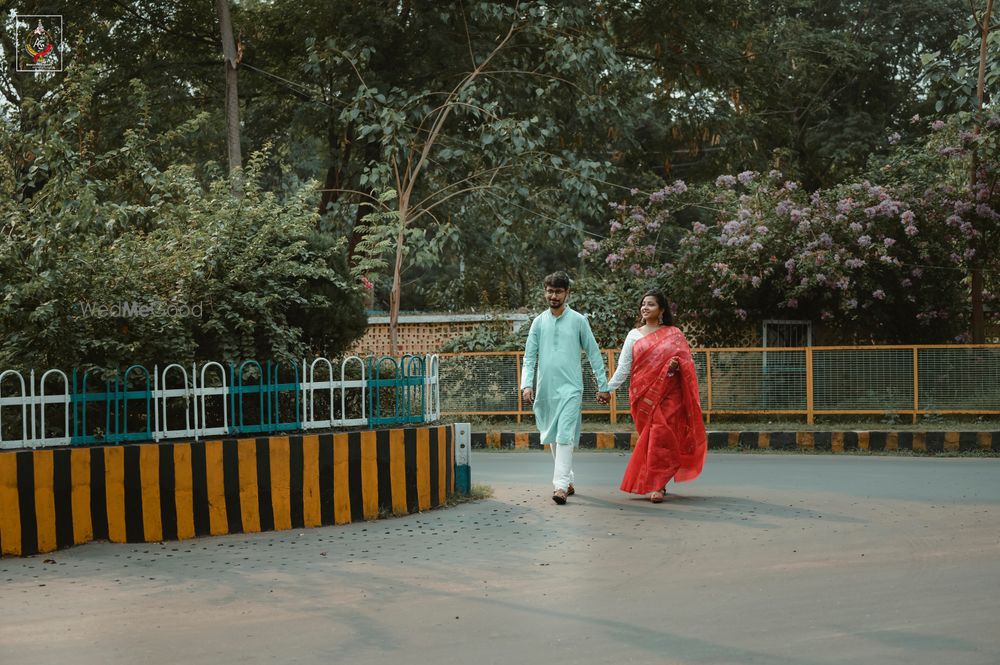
x=667 y=414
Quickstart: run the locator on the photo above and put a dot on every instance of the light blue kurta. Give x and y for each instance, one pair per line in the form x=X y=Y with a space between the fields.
x=555 y=343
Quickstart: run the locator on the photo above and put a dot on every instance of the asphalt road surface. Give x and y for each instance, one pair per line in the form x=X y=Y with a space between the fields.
x=772 y=559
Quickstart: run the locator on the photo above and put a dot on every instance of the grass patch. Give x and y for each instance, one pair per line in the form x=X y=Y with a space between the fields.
x=478 y=492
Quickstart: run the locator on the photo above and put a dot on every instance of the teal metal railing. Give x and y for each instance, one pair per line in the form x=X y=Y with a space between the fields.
x=212 y=400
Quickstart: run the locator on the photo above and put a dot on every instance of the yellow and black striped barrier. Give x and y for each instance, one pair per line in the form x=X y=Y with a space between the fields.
x=805 y=441
x=150 y=492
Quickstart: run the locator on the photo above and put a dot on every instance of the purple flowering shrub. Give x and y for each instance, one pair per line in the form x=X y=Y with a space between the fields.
x=879 y=261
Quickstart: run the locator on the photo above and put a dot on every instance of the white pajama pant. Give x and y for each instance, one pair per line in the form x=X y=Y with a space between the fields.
x=562 y=477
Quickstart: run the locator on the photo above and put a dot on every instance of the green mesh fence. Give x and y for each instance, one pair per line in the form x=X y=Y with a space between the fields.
x=960 y=380
x=758 y=380
x=863 y=379
x=479 y=383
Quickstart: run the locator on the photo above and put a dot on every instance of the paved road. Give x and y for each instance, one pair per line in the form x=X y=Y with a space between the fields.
x=771 y=559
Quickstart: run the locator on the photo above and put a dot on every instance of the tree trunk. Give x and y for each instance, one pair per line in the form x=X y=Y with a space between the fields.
x=232 y=99
x=397 y=276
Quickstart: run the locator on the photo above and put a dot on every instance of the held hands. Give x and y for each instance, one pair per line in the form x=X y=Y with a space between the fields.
x=673 y=366
x=603 y=397
x=528 y=395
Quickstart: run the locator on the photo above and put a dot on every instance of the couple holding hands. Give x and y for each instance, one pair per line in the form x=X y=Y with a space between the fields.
x=663 y=391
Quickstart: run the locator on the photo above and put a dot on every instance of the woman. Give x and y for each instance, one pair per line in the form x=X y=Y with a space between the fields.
x=663 y=396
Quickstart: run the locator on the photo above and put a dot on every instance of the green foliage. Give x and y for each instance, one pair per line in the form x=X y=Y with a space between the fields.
x=377 y=230
x=953 y=72
x=611 y=303
x=492 y=336
x=107 y=259
x=811 y=87
x=881 y=262
x=587 y=98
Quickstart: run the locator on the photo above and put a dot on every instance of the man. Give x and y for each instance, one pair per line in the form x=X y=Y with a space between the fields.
x=555 y=341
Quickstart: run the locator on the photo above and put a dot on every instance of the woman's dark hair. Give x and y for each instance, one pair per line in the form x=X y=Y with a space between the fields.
x=661 y=300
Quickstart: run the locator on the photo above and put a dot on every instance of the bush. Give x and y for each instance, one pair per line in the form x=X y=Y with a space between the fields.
x=109 y=259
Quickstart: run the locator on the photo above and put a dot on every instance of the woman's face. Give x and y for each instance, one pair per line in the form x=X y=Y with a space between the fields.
x=650 y=309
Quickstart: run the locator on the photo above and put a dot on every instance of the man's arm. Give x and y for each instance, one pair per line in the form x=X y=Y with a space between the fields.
x=529 y=362
x=595 y=356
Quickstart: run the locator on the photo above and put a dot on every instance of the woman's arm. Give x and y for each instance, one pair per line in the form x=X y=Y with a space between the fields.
x=623 y=369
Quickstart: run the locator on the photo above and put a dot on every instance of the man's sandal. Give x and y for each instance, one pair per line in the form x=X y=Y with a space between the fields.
x=656 y=497
x=559 y=497
x=570 y=491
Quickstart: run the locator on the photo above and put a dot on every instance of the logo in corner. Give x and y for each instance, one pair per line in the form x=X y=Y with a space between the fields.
x=39 y=41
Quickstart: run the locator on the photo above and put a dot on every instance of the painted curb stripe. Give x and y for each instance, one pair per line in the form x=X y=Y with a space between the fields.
x=433 y=467
x=132 y=483
x=114 y=488
x=354 y=479
x=412 y=493
x=199 y=489
x=369 y=476
x=311 y=515
x=807 y=441
x=249 y=494
x=383 y=458
x=152 y=492
x=62 y=489
x=265 y=506
x=26 y=502
x=280 y=452
x=296 y=466
x=98 y=495
x=423 y=470
x=214 y=470
x=10 y=520
x=231 y=485
x=80 y=492
x=341 y=479
x=168 y=492
x=149 y=479
x=184 y=493
x=326 y=500
x=398 y=475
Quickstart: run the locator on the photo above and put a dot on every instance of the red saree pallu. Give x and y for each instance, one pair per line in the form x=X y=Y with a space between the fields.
x=666 y=410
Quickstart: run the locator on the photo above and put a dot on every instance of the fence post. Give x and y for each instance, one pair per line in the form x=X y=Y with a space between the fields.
x=916 y=385
x=463 y=458
x=708 y=380
x=809 y=386
x=31 y=405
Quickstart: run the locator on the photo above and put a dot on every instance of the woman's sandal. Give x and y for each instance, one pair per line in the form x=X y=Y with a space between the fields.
x=656 y=497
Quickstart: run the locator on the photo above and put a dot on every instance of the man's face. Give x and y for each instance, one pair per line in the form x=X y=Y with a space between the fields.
x=556 y=297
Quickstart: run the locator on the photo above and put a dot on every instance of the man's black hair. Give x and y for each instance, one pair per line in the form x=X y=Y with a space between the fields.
x=557 y=280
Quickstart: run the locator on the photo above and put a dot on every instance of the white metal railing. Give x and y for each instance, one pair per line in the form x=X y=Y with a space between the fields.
x=202 y=400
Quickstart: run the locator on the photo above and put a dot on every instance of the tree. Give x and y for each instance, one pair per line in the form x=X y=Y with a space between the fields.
x=961 y=79
x=811 y=88
x=489 y=132
x=106 y=259
x=877 y=261
x=231 y=62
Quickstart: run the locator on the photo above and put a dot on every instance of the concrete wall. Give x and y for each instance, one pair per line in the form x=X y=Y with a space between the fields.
x=148 y=492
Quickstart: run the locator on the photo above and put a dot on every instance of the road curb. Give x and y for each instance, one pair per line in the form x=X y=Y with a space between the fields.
x=814 y=441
